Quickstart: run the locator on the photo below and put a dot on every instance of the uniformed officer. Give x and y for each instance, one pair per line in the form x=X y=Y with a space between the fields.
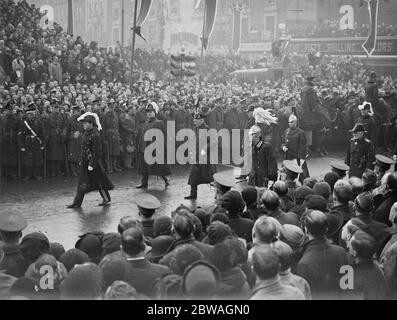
x=290 y=173
x=147 y=206
x=92 y=173
x=339 y=168
x=11 y=226
x=200 y=173
x=382 y=165
x=223 y=183
x=360 y=154
x=367 y=120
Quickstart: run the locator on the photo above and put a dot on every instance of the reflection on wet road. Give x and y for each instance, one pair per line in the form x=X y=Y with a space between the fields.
x=44 y=203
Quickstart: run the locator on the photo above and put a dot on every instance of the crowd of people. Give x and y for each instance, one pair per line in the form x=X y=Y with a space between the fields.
x=331 y=29
x=287 y=242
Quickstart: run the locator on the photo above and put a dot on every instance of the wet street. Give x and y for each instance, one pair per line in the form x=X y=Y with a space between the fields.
x=44 y=203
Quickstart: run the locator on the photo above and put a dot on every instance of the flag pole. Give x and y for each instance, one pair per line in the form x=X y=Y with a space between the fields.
x=202 y=37
x=133 y=43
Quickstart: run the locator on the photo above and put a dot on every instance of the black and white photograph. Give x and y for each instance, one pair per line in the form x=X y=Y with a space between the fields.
x=198 y=150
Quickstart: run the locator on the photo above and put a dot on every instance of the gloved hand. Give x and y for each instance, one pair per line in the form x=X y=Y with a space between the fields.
x=285 y=149
x=23 y=149
x=90 y=168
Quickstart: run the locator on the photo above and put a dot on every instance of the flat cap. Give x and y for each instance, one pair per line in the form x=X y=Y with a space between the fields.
x=292 y=166
x=12 y=222
x=224 y=180
x=148 y=201
x=383 y=162
x=339 y=166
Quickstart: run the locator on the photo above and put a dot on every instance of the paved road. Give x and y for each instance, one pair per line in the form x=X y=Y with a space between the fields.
x=44 y=202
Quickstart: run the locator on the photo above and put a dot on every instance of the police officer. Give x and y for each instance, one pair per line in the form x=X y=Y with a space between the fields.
x=200 y=173
x=11 y=226
x=223 y=183
x=367 y=120
x=360 y=154
x=290 y=173
x=382 y=165
x=92 y=173
x=147 y=206
x=339 y=168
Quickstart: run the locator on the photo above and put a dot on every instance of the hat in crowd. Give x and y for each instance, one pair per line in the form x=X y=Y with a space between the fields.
x=73 y=257
x=200 y=280
x=250 y=195
x=162 y=226
x=331 y=178
x=310 y=182
x=127 y=223
x=340 y=168
x=33 y=245
x=302 y=192
x=83 y=282
x=292 y=235
x=292 y=167
x=167 y=287
x=185 y=255
x=232 y=201
x=160 y=246
x=12 y=221
x=316 y=202
x=91 y=244
x=322 y=189
x=121 y=290
x=383 y=162
x=152 y=107
x=56 y=250
x=359 y=127
x=224 y=180
x=23 y=289
x=111 y=242
x=147 y=201
x=369 y=179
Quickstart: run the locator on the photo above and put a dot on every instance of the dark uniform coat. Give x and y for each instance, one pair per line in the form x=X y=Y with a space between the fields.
x=370 y=128
x=152 y=169
x=56 y=137
x=360 y=156
x=9 y=145
x=111 y=124
x=91 y=156
x=74 y=135
x=33 y=156
x=201 y=173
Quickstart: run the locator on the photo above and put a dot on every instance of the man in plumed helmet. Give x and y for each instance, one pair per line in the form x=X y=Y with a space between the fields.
x=92 y=173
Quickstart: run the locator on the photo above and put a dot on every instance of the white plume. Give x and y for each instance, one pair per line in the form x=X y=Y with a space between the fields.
x=98 y=123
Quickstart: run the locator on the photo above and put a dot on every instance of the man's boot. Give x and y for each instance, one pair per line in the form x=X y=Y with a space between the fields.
x=193 y=193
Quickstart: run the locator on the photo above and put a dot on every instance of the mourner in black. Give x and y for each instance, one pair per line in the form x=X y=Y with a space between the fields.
x=360 y=154
x=200 y=173
x=92 y=173
x=161 y=170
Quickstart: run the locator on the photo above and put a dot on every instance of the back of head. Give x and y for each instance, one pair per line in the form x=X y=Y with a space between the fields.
x=23 y=289
x=33 y=245
x=393 y=214
x=281 y=188
x=204 y=217
x=284 y=253
x=369 y=180
x=316 y=223
x=301 y=193
x=217 y=232
x=265 y=262
x=363 y=245
x=309 y=182
x=120 y=290
x=250 y=195
x=343 y=191
x=73 y=257
x=223 y=257
x=185 y=255
x=266 y=230
x=113 y=270
x=270 y=200
x=162 y=226
x=91 y=244
x=292 y=235
x=322 y=189
x=127 y=223
x=132 y=241
x=392 y=182
x=200 y=281
x=331 y=178
x=364 y=204
x=82 y=282
x=239 y=248
x=221 y=217
x=316 y=202
x=183 y=225
x=357 y=185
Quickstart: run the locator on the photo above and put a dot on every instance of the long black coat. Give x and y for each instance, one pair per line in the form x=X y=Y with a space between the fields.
x=201 y=173
x=360 y=156
x=152 y=169
x=33 y=156
x=91 y=156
